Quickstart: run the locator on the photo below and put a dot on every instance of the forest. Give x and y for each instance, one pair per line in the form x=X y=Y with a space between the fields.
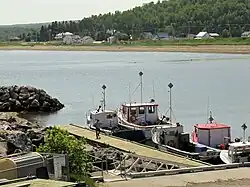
x=176 y=17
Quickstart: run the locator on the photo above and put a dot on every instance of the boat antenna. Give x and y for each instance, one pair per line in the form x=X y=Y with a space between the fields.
x=208 y=106
x=153 y=90
x=129 y=92
x=244 y=127
x=104 y=95
x=140 y=74
x=170 y=85
x=93 y=100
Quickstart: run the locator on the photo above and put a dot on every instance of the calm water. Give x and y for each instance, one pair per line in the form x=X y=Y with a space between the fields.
x=76 y=79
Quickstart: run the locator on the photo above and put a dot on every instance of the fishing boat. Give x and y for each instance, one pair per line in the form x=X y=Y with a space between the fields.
x=107 y=120
x=140 y=117
x=237 y=152
x=172 y=138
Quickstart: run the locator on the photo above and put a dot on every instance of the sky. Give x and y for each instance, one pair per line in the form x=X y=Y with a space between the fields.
x=39 y=11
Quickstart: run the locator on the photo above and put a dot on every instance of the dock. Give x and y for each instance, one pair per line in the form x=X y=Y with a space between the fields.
x=131 y=147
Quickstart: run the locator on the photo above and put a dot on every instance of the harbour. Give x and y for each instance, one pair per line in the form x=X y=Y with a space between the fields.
x=140 y=125
x=83 y=73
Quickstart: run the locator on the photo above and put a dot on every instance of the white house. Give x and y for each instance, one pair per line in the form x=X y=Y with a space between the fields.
x=77 y=40
x=245 y=34
x=202 y=35
x=60 y=36
x=214 y=35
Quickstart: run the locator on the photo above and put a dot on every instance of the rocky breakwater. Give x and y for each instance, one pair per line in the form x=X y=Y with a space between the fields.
x=27 y=98
x=18 y=135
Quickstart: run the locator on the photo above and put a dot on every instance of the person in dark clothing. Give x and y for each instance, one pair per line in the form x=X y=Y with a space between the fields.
x=97 y=129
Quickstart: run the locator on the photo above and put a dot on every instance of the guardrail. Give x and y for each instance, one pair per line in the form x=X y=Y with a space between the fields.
x=188 y=170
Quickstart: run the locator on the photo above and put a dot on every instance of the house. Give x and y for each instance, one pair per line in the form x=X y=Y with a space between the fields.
x=146 y=35
x=86 y=40
x=60 y=36
x=214 y=35
x=202 y=35
x=15 y=39
x=161 y=36
x=245 y=34
x=75 y=39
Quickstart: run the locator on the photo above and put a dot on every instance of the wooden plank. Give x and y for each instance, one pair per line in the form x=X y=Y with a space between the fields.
x=129 y=146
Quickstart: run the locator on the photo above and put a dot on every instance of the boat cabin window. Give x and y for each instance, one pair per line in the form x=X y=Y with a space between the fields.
x=151 y=109
x=109 y=116
x=133 y=111
x=114 y=115
x=141 y=110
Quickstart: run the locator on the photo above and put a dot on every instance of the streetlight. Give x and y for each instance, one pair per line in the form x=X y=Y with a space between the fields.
x=170 y=85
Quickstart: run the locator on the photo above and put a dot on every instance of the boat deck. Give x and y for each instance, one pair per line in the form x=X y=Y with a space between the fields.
x=130 y=146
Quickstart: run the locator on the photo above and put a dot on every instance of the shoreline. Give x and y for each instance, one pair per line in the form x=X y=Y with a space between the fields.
x=229 y=49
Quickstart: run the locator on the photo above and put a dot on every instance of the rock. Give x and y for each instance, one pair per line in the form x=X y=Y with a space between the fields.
x=5 y=96
x=3 y=148
x=18 y=134
x=6 y=106
x=35 y=104
x=13 y=94
x=27 y=98
x=19 y=140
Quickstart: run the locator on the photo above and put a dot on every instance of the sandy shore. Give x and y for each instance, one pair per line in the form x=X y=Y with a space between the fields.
x=234 y=49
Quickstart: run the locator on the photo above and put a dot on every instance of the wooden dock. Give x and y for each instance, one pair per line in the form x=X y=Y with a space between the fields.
x=130 y=146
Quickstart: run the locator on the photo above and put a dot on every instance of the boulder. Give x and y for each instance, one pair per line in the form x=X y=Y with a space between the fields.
x=18 y=135
x=27 y=98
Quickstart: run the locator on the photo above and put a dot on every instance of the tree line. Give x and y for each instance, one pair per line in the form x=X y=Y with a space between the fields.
x=176 y=17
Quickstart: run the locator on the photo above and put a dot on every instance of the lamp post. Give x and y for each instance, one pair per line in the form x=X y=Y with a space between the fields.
x=244 y=127
x=141 y=74
x=104 y=95
x=170 y=85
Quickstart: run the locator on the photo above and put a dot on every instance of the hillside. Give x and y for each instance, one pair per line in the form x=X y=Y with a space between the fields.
x=7 y=31
x=177 y=17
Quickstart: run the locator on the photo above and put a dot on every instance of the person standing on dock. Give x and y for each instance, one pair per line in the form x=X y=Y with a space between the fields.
x=97 y=129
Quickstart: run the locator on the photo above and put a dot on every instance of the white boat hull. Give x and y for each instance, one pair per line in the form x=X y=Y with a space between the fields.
x=224 y=157
x=146 y=130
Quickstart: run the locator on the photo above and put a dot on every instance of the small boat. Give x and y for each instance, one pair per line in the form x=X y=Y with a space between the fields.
x=172 y=138
x=237 y=152
x=107 y=119
x=140 y=117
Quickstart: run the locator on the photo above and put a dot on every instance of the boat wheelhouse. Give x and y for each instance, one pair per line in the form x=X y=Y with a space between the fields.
x=238 y=151
x=212 y=134
x=140 y=114
x=140 y=117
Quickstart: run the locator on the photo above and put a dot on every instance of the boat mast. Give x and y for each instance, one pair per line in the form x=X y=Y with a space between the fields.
x=104 y=97
x=170 y=85
x=153 y=90
x=244 y=127
x=140 y=74
x=208 y=110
